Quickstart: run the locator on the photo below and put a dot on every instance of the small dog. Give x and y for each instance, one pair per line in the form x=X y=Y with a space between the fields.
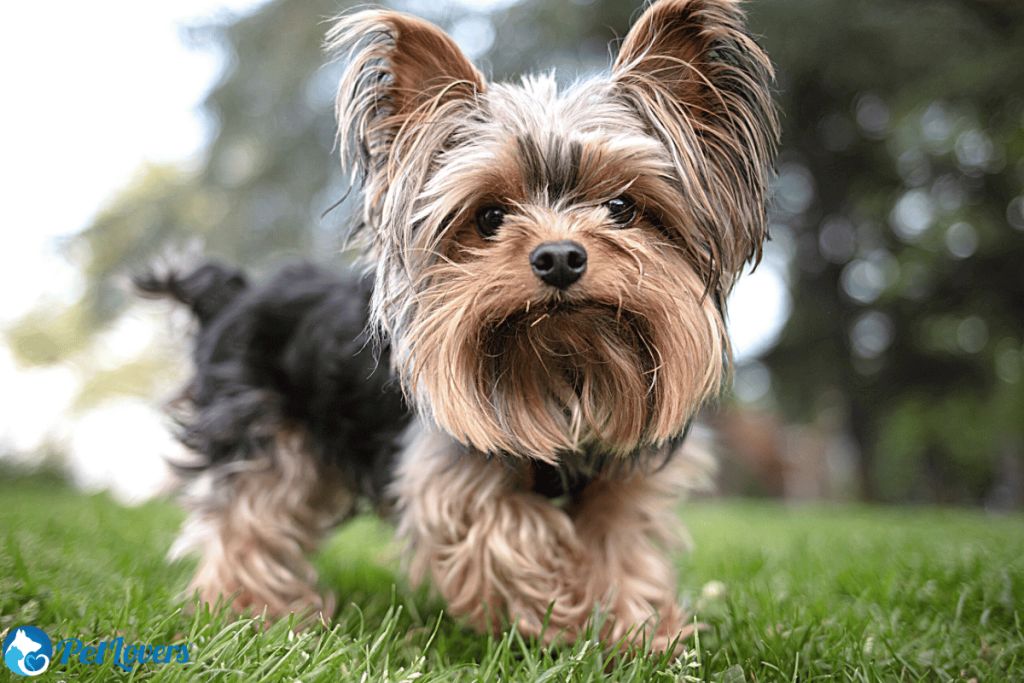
x=550 y=276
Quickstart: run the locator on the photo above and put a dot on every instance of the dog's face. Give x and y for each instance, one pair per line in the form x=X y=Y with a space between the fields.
x=551 y=266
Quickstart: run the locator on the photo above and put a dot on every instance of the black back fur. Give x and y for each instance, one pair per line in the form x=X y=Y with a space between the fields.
x=291 y=354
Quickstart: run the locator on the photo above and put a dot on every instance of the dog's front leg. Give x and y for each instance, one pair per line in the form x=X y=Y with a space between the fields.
x=627 y=522
x=492 y=548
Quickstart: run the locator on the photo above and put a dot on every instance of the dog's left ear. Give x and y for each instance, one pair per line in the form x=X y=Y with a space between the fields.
x=703 y=86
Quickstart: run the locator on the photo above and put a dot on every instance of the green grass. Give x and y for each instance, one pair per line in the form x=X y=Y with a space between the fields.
x=844 y=594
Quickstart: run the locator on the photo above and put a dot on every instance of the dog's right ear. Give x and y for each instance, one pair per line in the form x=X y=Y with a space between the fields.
x=404 y=77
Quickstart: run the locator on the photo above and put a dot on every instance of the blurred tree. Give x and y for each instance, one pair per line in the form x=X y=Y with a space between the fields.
x=258 y=190
x=900 y=197
x=899 y=203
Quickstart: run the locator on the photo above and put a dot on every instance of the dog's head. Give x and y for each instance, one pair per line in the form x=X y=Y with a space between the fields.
x=551 y=266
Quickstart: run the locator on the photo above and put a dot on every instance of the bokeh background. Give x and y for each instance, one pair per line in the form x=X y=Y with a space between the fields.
x=880 y=344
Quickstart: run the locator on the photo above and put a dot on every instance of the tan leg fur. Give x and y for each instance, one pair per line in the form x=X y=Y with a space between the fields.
x=255 y=525
x=495 y=550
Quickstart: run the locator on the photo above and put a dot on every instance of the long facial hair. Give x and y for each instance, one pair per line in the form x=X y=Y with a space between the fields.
x=682 y=130
x=619 y=360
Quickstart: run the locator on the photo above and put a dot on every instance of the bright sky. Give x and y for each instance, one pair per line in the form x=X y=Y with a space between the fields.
x=94 y=91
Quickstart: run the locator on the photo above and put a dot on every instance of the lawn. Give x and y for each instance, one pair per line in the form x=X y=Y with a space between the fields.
x=787 y=594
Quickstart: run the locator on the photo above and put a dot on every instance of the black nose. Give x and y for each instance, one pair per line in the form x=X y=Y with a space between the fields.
x=559 y=263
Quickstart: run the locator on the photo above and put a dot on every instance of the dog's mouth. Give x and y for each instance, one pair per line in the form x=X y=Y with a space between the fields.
x=558 y=314
x=588 y=367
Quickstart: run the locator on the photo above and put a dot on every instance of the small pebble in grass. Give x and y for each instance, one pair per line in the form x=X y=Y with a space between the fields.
x=713 y=590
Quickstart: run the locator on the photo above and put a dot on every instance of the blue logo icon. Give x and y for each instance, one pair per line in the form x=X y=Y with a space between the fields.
x=27 y=651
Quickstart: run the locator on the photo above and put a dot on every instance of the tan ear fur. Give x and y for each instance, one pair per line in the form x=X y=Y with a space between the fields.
x=405 y=90
x=402 y=71
x=703 y=85
x=666 y=44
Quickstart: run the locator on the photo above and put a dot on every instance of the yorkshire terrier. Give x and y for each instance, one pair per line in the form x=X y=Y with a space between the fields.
x=550 y=274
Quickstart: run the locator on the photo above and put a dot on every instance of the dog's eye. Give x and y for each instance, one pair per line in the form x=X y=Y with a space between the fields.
x=622 y=210
x=488 y=220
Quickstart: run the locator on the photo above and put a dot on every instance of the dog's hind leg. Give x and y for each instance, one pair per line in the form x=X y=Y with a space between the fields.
x=254 y=522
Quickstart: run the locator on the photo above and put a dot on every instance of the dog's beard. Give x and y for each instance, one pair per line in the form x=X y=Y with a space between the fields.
x=617 y=366
x=569 y=374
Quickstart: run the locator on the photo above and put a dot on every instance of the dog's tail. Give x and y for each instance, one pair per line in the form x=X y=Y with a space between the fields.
x=207 y=290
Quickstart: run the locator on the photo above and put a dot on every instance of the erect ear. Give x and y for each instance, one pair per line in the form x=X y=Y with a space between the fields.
x=403 y=72
x=703 y=86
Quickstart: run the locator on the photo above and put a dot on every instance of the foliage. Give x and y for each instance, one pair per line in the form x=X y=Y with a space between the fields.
x=899 y=201
x=836 y=594
x=255 y=195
